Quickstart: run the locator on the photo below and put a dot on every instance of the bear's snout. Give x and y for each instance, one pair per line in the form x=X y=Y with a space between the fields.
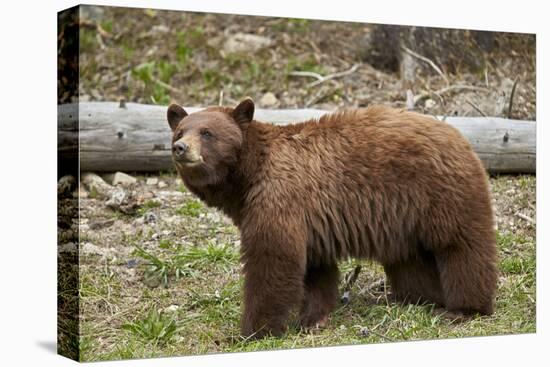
x=179 y=148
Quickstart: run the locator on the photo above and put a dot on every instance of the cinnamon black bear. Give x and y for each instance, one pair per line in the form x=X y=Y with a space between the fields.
x=403 y=189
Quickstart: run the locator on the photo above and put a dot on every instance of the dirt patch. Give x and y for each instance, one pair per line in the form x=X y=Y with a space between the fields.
x=151 y=56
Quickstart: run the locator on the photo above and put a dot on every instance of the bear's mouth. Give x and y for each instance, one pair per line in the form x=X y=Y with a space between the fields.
x=188 y=163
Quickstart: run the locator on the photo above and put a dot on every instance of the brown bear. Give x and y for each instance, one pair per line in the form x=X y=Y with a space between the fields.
x=394 y=186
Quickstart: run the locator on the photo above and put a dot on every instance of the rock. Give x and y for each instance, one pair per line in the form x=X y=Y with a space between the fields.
x=68 y=247
x=117 y=199
x=243 y=42
x=152 y=181
x=162 y=185
x=139 y=221
x=123 y=179
x=268 y=100
x=173 y=219
x=96 y=185
x=169 y=195
x=65 y=185
x=171 y=308
x=88 y=248
x=158 y=29
x=122 y=201
x=99 y=224
x=143 y=197
x=364 y=331
x=81 y=193
x=150 y=217
x=179 y=181
x=214 y=217
x=430 y=103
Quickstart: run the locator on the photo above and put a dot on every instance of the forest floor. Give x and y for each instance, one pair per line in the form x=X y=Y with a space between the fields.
x=161 y=277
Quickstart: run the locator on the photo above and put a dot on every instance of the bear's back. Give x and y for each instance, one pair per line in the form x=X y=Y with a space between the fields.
x=363 y=180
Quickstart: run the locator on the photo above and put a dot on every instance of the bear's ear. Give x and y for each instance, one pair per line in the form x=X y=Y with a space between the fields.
x=175 y=114
x=244 y=112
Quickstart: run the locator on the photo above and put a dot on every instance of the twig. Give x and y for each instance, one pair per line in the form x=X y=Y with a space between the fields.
x=410 y=100
x=475 y=107
x=220 y=101
x=525 y=217
x=335 y=75
x=425 y=59
x=425 y=95
x=164 y=85
x=512 y=97
x=307 y=74
x=351 y=278
x=322 y=93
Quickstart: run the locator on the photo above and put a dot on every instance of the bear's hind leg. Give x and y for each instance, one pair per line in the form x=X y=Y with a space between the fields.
x=321 y=295
x=415 y=281
x=468 y=278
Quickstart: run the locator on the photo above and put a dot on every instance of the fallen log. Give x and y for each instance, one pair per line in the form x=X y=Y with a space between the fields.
x=135 y=137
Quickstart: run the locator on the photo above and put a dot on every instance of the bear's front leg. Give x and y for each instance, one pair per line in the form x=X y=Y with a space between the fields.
x=274 y=269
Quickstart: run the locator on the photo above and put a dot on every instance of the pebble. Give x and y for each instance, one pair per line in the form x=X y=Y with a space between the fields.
x=364 y=331
x=152 y=181
x=245 y=42
x=162 y=185
x=123 y=179
x=116 y=199
x=93 y=182
x=268 y=100
x=172 y=308
x=65 y=185
x=98 y=224
x=150 y=217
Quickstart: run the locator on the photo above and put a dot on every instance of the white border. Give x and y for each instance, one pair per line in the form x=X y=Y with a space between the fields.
x=28 y=180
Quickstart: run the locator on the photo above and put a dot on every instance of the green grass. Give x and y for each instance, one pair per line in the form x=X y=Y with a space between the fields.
x=155 y=327
x=147 y=206
x=184 y=262
x=192 y=208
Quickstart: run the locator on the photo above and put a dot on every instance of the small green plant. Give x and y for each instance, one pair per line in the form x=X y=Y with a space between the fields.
x=160 y=270
x=87 y=40
x=148 y=205
x=165 y=243
x=300 y=25
x=184 y=262
x=191 y=209
x=219 y=255
x=107 y=25
x=93 y=193
x=155 y=327
x=183 y=50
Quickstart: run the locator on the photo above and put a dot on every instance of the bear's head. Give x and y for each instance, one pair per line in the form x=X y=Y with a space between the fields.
x=206 y=144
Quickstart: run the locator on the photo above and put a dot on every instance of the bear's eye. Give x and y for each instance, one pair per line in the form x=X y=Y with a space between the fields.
x=179 y=135
x=205 y=133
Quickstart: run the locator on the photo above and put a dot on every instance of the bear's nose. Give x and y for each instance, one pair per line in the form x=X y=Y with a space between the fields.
x=179 y=148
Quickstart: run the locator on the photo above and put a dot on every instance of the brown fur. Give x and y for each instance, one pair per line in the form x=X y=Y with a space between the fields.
x=376 y=183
